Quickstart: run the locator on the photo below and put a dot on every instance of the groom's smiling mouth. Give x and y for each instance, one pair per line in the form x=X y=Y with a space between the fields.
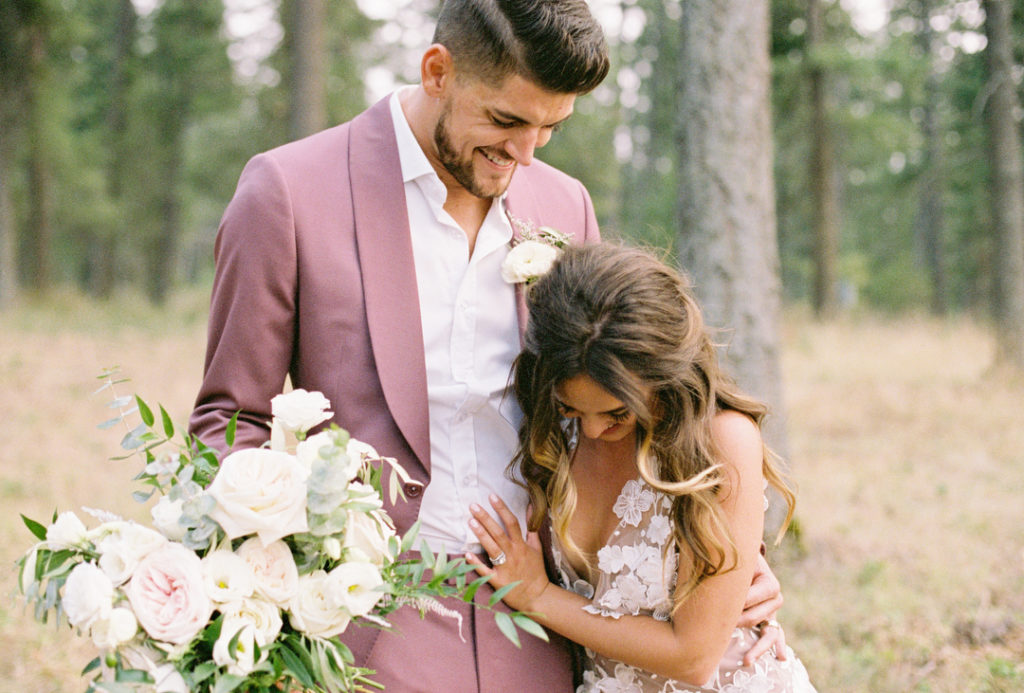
x=496 y=159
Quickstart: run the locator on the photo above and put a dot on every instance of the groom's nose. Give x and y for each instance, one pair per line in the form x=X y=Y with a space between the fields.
x=523 y=142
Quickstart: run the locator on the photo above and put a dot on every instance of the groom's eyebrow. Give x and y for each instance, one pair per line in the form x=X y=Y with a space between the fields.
x=512 y=117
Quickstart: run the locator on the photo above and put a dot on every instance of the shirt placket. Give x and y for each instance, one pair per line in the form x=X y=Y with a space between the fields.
x=463 y=450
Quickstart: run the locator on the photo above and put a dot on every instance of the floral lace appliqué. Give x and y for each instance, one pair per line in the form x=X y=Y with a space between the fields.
x=633 y=502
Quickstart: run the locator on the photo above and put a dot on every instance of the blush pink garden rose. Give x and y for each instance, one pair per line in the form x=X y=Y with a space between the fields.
x=168 y=596
x=277 y=576
x=262 y=492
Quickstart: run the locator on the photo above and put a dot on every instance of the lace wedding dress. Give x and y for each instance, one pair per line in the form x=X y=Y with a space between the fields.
x=637 y=578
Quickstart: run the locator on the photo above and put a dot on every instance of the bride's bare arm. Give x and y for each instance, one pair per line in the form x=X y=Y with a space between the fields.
x=690 y=646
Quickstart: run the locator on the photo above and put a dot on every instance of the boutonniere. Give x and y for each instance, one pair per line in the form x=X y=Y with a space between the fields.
x=533 y=252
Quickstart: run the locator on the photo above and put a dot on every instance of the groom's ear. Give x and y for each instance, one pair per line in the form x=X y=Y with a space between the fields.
x=437 y=70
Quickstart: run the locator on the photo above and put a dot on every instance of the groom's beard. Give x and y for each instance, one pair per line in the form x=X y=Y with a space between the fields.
x=462 y=170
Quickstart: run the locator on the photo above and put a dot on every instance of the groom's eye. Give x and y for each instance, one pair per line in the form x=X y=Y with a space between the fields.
x=503 y=123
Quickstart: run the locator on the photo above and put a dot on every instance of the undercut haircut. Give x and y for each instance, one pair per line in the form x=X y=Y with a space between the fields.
x=556 y=44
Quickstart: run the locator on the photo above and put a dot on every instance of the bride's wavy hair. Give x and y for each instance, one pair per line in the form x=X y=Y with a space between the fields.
x=630 y=322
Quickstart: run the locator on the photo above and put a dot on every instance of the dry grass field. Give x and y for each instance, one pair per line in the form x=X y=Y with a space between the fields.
x=906 y=572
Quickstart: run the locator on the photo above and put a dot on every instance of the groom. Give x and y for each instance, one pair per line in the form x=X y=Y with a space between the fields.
x=364 y=262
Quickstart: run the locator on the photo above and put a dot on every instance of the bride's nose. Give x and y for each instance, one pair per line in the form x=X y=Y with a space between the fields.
x=593 y=426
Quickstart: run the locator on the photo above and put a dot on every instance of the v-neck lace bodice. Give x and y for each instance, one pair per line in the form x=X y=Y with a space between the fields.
x=636 y=575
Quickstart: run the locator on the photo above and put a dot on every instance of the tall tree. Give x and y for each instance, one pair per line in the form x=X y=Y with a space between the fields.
x=304 y=34
x=931 y=214
x=1007 y=196
x=822 y=172
x=726 y=203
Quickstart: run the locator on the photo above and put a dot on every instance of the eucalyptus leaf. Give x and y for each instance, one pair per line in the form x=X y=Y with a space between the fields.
x=530 y=626
x=499 y=594
x=120 y=402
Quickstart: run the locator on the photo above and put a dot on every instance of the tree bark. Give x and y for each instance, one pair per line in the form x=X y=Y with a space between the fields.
x=1007 y=195
x=931 y=213
x=8 y=279
x=308 y=105
x=726 y=201
x=35 y=258
x=822 y=175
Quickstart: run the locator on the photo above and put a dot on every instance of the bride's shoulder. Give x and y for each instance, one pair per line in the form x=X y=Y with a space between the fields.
x=738 y=440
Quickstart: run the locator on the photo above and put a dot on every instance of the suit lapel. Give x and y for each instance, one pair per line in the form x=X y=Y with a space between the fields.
x=389 y=274
x=521 y=204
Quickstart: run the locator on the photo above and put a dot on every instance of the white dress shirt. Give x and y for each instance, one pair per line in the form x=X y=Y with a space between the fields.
x=470 y=338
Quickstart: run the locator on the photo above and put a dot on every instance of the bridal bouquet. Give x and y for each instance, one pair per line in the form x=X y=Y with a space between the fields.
x=254 y=565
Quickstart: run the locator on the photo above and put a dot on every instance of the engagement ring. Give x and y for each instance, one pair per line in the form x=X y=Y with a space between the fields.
x=500 y=559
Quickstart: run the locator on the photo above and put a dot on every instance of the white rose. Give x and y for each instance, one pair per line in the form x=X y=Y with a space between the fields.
x=299 y=410
x=118 y=627
x=88 y=595
x=228 y=577
x=354 y=587
x=167 y=594
x=243 y=660
x=260 y=491
x=313 y=611
x=166 y=515
x=273 y=566
x=528 y=260
x=367 y=534
x=124 y=546
x=261 y=614
x=67 y=531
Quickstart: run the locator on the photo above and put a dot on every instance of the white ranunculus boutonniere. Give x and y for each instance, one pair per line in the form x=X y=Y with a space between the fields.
x=533 y=253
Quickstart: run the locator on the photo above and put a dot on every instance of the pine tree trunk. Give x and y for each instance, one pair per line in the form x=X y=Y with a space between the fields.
x=308 y=105
x=822 y=175
x=1007 y=184
x=931 y=214
x=35 y=257
x=726 y=202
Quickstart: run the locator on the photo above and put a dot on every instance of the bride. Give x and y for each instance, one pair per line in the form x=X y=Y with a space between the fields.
x=649 y=463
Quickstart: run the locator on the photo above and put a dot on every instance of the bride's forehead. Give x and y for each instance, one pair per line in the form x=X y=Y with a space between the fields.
x=584 y=394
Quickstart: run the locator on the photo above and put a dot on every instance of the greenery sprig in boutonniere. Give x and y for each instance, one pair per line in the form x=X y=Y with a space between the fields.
x=534 y=252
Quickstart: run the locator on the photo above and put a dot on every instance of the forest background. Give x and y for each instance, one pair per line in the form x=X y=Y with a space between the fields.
x=892 y=226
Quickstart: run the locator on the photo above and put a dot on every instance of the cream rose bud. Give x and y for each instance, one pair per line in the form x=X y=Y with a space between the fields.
x=262 y=492
x=117 y=628
x=354 y=587
x=527 y=261
x=168 y=596
x=273 y=566
x=66 y=531
x=124 y=546
x=367 y=534
x=299 y=410
x=227 y=576
x=87 y=596
x=313 y=610
x=166 y=517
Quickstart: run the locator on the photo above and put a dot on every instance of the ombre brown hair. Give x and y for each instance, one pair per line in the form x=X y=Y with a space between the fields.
x=631 y=323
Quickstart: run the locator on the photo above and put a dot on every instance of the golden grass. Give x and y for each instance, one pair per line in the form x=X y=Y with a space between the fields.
x=907 y=573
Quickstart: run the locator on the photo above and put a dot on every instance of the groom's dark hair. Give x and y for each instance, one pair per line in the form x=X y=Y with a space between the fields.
x=556 y=44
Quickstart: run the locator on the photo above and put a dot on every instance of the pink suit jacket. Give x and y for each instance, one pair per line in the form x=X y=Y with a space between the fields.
x=315 y=279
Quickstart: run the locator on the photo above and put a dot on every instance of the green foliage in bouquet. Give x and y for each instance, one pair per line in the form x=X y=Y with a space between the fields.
x=255 y=564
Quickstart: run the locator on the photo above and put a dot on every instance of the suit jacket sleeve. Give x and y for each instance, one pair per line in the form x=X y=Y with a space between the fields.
x=252 y=311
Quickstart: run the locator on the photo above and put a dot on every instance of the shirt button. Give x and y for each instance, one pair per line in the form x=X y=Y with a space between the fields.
x=468 y=480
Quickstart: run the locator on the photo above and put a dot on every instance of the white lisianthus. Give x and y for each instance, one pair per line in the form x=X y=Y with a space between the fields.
x=115 y=629
x=124 y=546
x=527 y=261
x=274 y=569
x=168 y=596
x=332 y=547
x=262 y=614
x=369 y=535
x=299 y=410
x=354 y=587
x=166 y=517
x=261 y=492
x=242 y=661
x=166 y=678
x=66 y=531
x=313 y=610
x=87 y=596
x=228 y=577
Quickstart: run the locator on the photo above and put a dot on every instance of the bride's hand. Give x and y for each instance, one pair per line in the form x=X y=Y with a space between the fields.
x=513 y=559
